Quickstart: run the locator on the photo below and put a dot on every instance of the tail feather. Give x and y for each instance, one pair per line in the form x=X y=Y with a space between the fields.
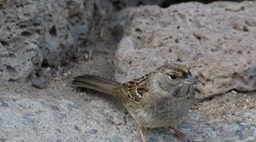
x=95 y=83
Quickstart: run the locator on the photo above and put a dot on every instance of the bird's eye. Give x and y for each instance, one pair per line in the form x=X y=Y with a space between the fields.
x=173 y=76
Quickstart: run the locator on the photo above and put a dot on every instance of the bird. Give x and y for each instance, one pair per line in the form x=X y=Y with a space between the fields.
x=157 y=99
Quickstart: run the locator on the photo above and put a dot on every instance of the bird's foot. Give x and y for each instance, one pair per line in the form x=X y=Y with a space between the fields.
x=181 y=135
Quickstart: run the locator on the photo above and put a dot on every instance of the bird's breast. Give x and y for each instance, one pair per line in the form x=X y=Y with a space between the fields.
x=160 y=111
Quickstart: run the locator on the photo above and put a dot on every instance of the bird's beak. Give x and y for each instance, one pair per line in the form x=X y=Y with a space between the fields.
x=190 y=80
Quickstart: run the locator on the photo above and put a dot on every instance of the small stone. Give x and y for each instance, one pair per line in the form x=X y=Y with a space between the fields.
x=118 y=120
x=65 y=74
x=40 y=83
x=93 y=131
x=116 y=139
x=55 y=108
x=250 y=22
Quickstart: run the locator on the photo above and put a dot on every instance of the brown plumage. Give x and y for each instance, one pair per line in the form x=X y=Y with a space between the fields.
x=158 y=99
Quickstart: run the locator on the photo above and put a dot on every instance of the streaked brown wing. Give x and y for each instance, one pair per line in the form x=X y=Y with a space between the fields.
x=136 y=88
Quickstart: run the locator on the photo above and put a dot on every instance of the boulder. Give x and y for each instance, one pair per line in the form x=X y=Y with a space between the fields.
x=217 y=41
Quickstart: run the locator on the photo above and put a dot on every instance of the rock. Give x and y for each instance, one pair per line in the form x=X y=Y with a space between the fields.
x=217 y=44
x=31 y=116
x=116 y=139
x=37 y=34
x=22 y=118
x=40 y=83
x=59 y=114
x=118 y=120
x=93 y=131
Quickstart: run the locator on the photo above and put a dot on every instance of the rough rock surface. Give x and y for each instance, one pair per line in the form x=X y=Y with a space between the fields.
x=60 y=114
x=217 y=41
x=37 y=34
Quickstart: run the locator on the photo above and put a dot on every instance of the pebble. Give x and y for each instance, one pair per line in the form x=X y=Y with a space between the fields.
x=116 y=139
x=118 y=120
x=40 y=83
x=93 y=131
x=55 y=108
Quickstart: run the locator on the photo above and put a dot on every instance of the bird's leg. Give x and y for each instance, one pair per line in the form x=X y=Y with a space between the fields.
x=140 y=127
x=142 y=136
x=181 y=134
